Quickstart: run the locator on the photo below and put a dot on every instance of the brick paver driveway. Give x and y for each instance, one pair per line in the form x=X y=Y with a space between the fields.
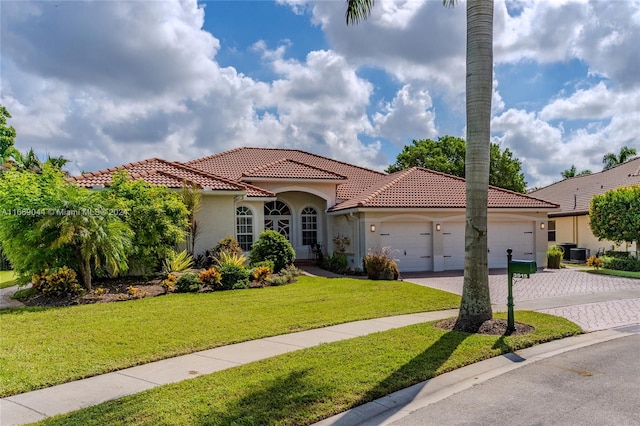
x=594 y=302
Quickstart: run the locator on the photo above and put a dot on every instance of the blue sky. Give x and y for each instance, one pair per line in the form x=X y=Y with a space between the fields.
x=109 y=82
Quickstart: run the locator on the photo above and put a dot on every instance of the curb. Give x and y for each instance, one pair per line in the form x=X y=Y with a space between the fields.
x=400 y=404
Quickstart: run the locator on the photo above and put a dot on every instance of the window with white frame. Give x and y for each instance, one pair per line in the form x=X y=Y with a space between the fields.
x=552 y=230
x=244 y=227
x=309 y=226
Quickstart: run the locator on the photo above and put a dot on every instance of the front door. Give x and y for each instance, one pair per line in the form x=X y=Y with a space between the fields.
x=277 y=217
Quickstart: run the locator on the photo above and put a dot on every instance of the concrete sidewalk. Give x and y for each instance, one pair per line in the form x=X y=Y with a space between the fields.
x=37 y=405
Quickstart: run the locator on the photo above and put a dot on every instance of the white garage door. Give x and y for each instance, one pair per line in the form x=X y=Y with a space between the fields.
x=453 y=245
x=517 y=236
x=411 y=243
x=502 y=235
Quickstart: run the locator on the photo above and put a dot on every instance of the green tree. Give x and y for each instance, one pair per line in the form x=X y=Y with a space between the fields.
x=7 y=137
x=46 y=222
x=573 y=172
x=95 y=236
x=614 y=215
x=611 y=159
x=156 y=215
x=475 y=306
x=447 y=155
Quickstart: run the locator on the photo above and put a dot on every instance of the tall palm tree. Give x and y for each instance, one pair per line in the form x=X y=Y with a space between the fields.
x=611 y=159
x=475 y=307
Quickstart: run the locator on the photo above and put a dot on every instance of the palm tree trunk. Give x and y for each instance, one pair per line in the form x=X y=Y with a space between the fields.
x=476 y=303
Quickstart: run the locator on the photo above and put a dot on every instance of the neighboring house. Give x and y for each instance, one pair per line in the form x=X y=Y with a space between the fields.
x=570 y=224
x=345 y=208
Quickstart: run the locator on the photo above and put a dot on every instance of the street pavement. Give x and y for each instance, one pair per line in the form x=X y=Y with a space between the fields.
x=594 y=385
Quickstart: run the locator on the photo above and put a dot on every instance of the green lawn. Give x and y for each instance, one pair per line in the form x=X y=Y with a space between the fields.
x=43 y=347
x=7 y=279
x=302 y=387
x=615 y=273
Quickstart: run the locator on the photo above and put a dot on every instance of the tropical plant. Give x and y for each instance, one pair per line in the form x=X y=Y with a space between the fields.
x=227 y=258
x=210 y=277
x=475 y=306
x=611 y=159
x=58 y=282
x=177 y=262
x=50 y=223
x=192 y=199
x=595 y=262
x=261 y=273
x=273 y=246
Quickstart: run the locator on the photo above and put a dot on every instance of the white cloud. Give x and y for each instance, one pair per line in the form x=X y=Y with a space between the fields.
x=408 y=116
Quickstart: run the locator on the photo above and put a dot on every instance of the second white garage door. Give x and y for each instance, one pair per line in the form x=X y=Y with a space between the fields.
x=411 y=242
x=502 y=235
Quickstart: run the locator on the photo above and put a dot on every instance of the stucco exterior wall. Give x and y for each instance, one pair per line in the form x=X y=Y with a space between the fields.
x=357 y=227
x=216 y=220
x=576 y=230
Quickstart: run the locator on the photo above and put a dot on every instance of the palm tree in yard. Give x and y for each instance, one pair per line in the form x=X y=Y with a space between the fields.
x=611 y=159
x=475 y=307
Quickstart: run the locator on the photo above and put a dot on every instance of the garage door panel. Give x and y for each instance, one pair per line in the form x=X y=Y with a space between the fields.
x=517 y=236
x=411 y=244
x=453 y=245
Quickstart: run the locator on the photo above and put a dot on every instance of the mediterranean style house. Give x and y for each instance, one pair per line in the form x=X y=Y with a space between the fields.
x=318 y=202
x=570 y=223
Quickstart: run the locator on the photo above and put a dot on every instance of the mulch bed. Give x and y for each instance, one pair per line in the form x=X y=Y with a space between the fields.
x=115 y=290
x=495 y=326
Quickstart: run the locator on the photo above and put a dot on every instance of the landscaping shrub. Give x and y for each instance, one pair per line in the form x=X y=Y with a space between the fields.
x=210 y=257
x=169 y=283
x=617 y=254
x=177 y=262
x=554 y=257
x=621 y=264
x=594 y=261
x=337 y=263
x=268 y=263
x=59 y=282
x=188 y=283
x=379 y=265
x=210 y=278
x=233 y=277
x=235 y=259
x=261 y=273
x=273 y=246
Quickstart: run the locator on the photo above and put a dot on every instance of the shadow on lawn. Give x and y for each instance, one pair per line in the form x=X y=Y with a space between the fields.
x=287 y=398
x=292 y=399
x=423 y=367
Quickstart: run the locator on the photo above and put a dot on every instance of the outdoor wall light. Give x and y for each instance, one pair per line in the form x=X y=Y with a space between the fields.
x=542 y=225
x=438 y=227
x=373 y=228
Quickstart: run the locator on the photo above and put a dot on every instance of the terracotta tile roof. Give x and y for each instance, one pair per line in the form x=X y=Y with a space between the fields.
x=291 y=169
x=574 y=194
x=232 y=164
x=418 y=187
x=170 y=174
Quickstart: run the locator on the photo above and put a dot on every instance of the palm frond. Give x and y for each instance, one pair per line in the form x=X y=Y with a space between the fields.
x=358 y=10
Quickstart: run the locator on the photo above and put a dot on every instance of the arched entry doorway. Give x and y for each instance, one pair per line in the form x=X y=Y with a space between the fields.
x=277 y=217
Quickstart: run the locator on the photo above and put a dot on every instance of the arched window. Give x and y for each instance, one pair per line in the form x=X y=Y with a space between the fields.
x=309 y=226
x=244 y=227
x=277 y=217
